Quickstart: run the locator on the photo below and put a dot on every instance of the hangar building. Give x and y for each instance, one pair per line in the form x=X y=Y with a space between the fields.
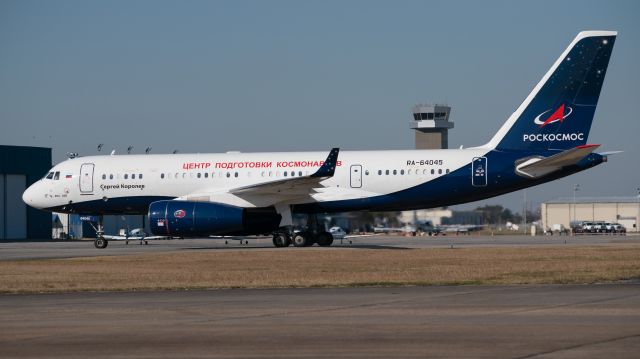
x=623 y=210
x=21 y=166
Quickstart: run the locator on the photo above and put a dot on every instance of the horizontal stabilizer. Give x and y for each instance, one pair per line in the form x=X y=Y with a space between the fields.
x=536 y=167
x=608 y=153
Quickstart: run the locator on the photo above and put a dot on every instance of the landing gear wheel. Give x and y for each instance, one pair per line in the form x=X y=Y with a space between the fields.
x=281 y=240
x=324 y=239
x=300 y=240
x=101 y=243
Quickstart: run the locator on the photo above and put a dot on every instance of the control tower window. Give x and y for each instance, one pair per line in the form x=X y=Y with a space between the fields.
x=427 y=116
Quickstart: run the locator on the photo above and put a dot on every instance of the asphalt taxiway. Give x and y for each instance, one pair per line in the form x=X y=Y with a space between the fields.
x=73 y=249
x=541 y=321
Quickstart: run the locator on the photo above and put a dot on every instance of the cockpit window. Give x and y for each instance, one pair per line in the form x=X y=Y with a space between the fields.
x=56 y=176
x=49 y=175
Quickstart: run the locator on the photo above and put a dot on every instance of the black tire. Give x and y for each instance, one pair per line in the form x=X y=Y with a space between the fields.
x=281 y=240
x=301 y=240
x=324 y=239
x=100 y=243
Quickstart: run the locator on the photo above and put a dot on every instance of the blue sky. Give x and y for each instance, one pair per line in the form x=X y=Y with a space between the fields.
x=213 y=76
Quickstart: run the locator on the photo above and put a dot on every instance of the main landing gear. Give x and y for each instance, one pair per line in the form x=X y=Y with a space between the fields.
x=312 y=234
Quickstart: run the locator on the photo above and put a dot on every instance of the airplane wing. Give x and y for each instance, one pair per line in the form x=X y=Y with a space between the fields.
x=294 y=185
x=538 y=167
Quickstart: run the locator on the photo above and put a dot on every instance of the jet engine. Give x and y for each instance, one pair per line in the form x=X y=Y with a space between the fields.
x=199 y=219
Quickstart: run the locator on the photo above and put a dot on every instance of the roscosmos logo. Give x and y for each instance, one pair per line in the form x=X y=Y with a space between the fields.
x=558 y=115
x=179 y=213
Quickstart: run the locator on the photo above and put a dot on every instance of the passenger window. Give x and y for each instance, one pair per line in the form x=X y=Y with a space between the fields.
x=104 y=177
x=111 y=176
x=447 y=171
x=394 y=172
x=133 y=176
x=126 y=176
x=440 y=171
x=433 y=171
x=286 y=173
x=228 y=174
x=366 y=173
x=184 y=175
x=235 y=174
x=262 y=174
x=408 y=172
x=401 y=172
x=56 y=176
x=199 y=175
x=140 y=176
x=206 y=175
x=379 y=172
x=386 y=172
x=162 y=175
x=300 y=173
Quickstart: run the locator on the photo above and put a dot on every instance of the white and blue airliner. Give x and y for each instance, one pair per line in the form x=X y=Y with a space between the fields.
x=188 y=195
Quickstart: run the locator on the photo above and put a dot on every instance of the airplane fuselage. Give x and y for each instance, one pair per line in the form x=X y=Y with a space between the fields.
x=363 y=180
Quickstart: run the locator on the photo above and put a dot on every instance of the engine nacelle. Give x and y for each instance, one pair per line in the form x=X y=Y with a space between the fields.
x=199 y=219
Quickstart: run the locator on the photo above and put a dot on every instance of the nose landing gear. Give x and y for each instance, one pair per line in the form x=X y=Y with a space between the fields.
x=100 y=242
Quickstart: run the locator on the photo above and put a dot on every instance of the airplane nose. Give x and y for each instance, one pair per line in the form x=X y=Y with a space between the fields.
x=28 y=196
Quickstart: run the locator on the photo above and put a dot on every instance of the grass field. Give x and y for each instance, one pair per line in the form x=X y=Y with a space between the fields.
x=308 y=267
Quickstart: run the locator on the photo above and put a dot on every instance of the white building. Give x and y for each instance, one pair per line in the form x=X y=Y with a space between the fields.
x=623 y=210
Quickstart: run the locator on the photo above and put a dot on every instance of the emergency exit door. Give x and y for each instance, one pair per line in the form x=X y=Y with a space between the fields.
x=479 y=171
x=86 y=177
x=356 y=176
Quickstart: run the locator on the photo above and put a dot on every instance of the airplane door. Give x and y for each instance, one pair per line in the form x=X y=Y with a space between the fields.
x=479 y=171
x=86 y=177
x=356 y=176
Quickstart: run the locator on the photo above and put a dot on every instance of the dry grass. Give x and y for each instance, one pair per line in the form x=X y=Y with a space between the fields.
x=313 y=268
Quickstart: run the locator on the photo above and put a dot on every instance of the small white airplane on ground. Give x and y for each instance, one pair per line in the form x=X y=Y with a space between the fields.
x=196 y=195
x=137 y=234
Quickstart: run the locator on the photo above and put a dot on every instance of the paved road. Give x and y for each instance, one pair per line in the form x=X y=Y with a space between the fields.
x=582 y=321
x=38 y=250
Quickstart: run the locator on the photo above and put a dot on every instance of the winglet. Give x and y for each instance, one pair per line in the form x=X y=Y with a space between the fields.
x=328 y=168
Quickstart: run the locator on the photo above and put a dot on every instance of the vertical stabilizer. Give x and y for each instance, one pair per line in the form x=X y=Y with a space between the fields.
x=558 y=113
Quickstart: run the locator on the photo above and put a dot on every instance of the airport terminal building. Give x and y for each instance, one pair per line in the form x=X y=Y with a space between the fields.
x=20 y=166
x=623 y=210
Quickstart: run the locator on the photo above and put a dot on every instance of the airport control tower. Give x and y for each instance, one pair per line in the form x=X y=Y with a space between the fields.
x=432 y=125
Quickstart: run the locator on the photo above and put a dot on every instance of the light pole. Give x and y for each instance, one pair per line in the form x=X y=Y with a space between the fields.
x=525 y=211
x=576 y=188
x=638 y=215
